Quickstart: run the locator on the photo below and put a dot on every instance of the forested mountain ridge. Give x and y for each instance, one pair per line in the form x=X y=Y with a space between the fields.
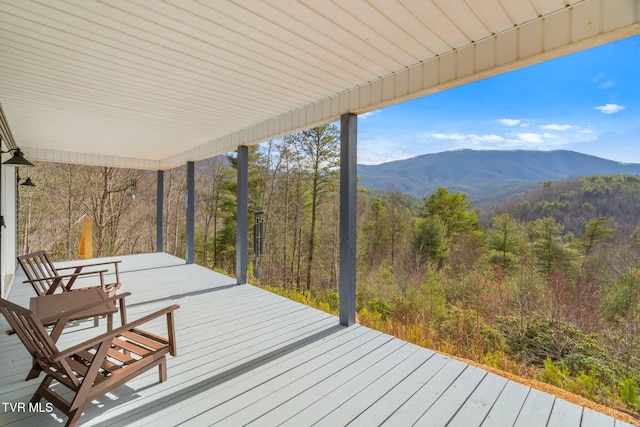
x=477 y=173
x=573 y=202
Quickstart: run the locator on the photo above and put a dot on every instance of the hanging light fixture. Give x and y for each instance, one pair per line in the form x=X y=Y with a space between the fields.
x=27 y=182
x=17 y=159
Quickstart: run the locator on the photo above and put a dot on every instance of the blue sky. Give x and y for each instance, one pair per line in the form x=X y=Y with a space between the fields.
x=587 y=102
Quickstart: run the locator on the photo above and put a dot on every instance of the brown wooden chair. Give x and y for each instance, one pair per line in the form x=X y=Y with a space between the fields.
x=45 y=277
x=96 y=366
x=57 y=310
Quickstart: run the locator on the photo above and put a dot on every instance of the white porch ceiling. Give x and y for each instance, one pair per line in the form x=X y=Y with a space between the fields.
x=152 y=84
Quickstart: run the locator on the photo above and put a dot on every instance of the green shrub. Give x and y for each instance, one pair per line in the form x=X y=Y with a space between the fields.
x=537 y=338
x=554 y=374
x=601 y=369
x=628 y=390
x=587 y=385
x=333 y=299
x=501 y=360
x=381 y=306
x=467 y=331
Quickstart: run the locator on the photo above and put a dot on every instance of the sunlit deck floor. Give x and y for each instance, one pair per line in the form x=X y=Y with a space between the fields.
x=246 y=356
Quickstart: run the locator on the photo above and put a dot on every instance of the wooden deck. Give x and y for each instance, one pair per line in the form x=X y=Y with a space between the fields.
x=246 y=356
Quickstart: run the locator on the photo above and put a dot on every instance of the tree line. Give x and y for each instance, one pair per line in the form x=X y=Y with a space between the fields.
x=512 y=287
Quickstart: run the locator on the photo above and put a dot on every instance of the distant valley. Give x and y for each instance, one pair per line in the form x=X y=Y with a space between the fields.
x=486 y=177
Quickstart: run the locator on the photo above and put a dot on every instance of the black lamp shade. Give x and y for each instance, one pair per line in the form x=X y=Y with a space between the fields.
x=28 y=183
x=18 y=159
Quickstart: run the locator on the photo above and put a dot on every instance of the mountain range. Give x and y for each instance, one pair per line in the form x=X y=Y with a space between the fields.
x=485 y=175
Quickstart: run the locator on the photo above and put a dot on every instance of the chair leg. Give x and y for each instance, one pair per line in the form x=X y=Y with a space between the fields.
x=34 y=372
x=123 y=312
x=162 y=370
x=46 y=382
x=74 y=417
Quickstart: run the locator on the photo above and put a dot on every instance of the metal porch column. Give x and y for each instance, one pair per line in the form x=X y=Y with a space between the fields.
x=191 y=212
x=242 y=215
x=348 y=187
x=160 y=211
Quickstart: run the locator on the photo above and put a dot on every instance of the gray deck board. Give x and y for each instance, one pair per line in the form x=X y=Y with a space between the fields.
x=564 y=414
x=477 y=406
x=446 y=406
x=413 y=409
x=248 y=356
x=292 y=383
x=326 y=385
x=389 y=403
x=352 y=407
x=592 y=418
x=536 y=409
x=320 y=405
x=507 y=407
x=247 y=385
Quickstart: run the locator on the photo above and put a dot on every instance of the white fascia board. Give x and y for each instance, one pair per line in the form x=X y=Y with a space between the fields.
x=92 y=159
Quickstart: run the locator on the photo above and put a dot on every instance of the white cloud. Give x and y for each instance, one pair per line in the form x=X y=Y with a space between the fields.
x=530 y=138
x=368 y=114
x=469 y=138
x=489 y=138
x=523 y=140
x=557 y=127
x=510 y=122
x=449 y=136
x=536 y=140
x=610 y=108
x=601 y=80
x=382 y=148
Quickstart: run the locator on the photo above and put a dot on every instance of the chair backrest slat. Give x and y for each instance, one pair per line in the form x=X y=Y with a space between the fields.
x=38 y=267
x=30 y=331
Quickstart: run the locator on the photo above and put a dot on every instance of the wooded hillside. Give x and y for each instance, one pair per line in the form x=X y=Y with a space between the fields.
x=514 y=287
x=574 y=201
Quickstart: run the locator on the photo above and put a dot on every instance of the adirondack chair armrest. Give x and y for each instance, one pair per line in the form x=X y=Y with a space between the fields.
x=68 y=314
x=57 y=280
x=78 y=268
x=66 y=276
x=81 y=266
x=108 y=336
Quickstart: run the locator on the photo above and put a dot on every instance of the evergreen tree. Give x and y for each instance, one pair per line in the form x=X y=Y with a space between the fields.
x=320 y=149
